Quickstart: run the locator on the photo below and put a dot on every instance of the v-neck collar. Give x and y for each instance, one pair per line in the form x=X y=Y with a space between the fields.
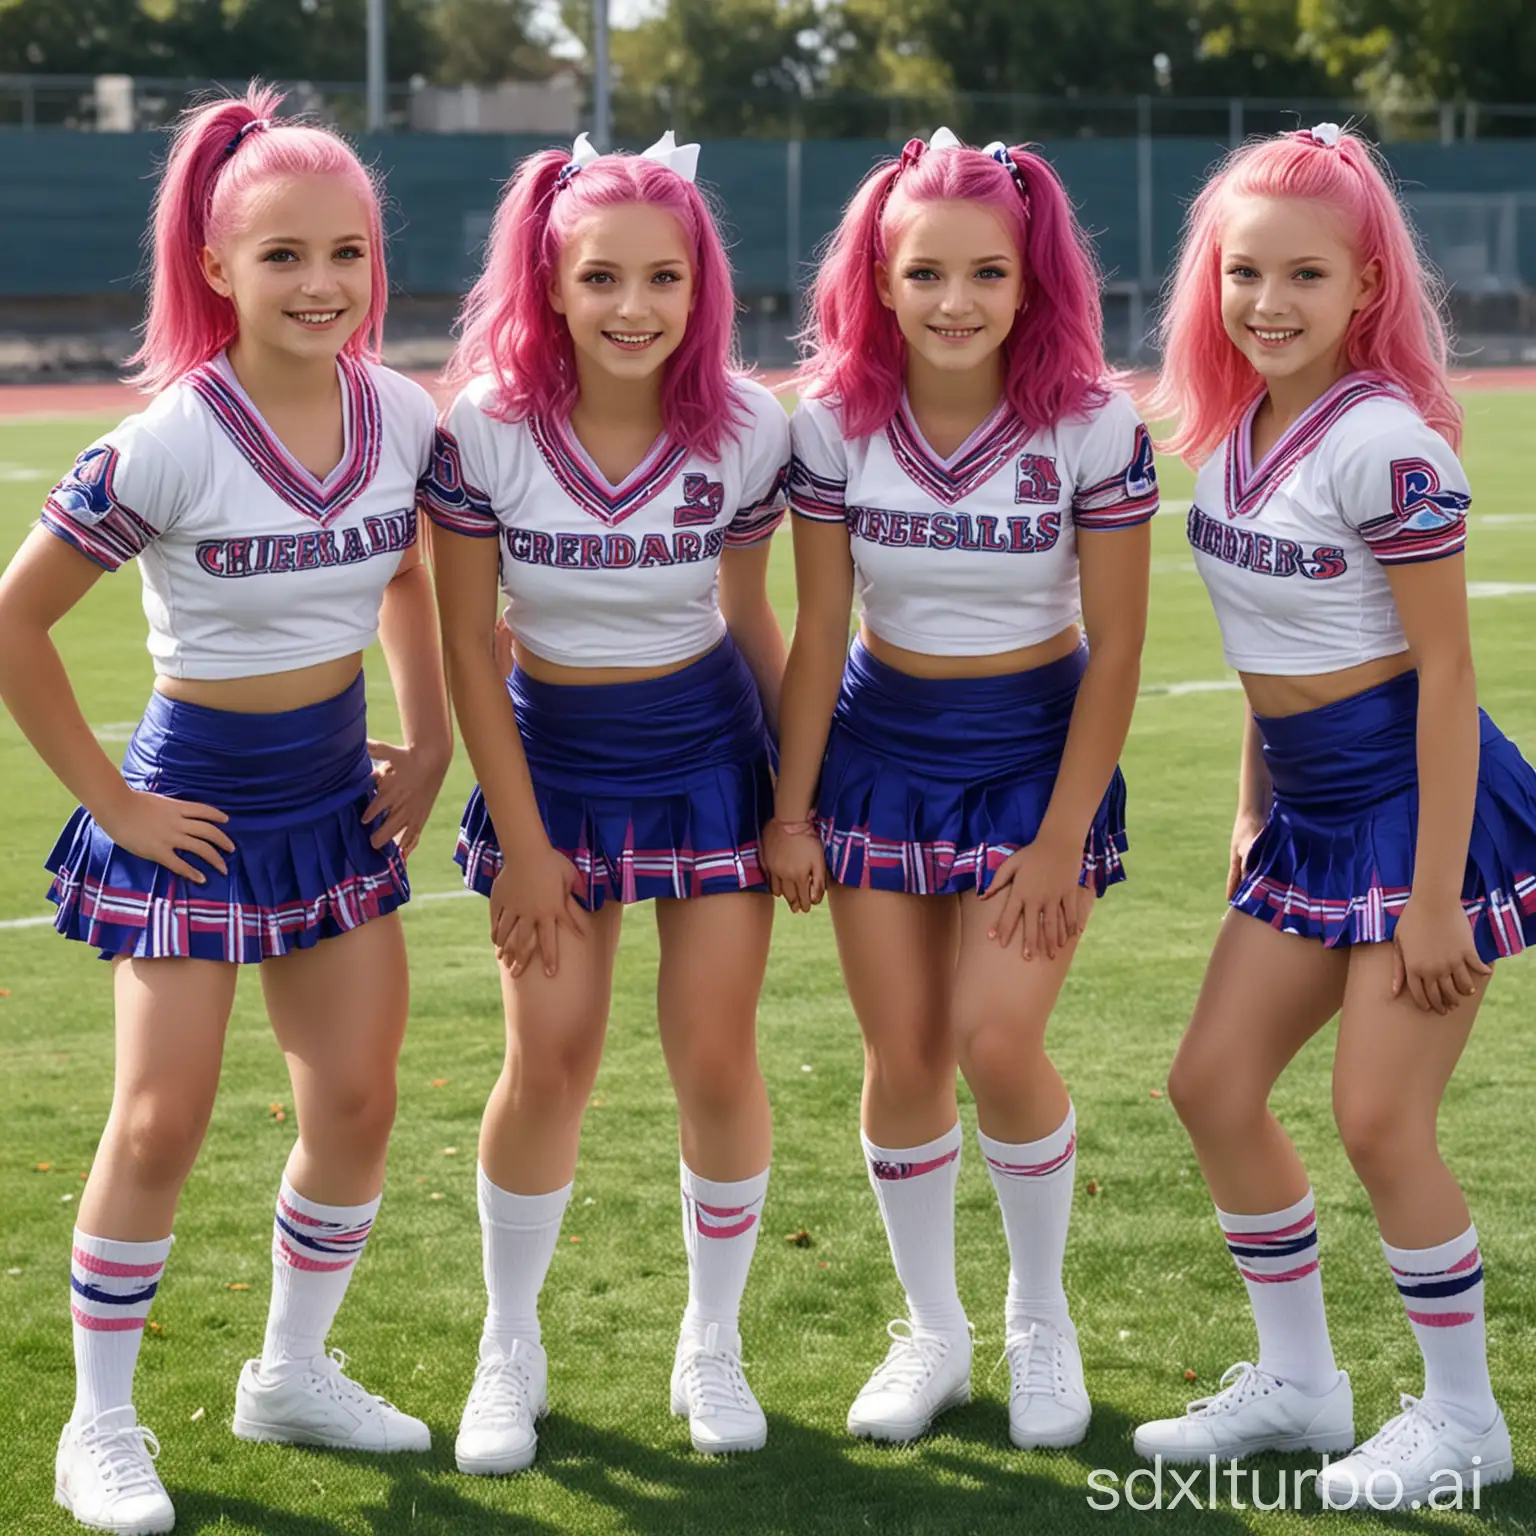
x=953 y=478
x=580 y=478
x=1250 y=485
x=322 y=500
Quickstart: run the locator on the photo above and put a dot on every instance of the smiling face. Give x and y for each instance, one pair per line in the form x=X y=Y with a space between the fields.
x=297 y=265
x=625 y=287
x=955 y=282
x=1290 y=285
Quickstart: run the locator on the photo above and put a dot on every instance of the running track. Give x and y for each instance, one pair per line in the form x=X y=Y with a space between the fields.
x=43 y=401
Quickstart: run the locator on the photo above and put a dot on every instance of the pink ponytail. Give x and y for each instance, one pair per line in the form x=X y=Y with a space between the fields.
x=220 y=151
x=1055 y=351
x=508 y=328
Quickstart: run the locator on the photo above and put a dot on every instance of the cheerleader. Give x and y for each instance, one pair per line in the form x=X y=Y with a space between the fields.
x=268 y=491
x=1385 y=838
x=960 y=459
x=602 y=457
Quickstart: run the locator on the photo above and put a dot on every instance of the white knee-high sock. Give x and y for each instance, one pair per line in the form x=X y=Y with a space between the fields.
x=315 y=1248
x=1276 y=1254
x=720 y=1226
x=1442 y=1291
x=915 y=1188
x=1033 y=1180
x=111 y=1287
x=517 y=1240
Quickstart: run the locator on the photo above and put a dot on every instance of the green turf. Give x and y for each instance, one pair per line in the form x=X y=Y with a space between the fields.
x=1153 y=1291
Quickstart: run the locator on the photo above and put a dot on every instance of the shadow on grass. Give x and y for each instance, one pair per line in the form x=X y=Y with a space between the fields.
x=966 y=1479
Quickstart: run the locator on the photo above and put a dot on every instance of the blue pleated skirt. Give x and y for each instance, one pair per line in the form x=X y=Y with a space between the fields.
x=930 y=784
x=1335 y=859
x=651 y=789
x=294 y=786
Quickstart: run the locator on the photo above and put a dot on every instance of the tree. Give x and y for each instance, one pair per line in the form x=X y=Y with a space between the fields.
x=1469 y=50
x=482 y=42
x=77 y=37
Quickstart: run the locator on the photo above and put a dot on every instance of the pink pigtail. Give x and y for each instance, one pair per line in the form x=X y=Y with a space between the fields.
x=1400 y=333
x=1055 y=352
x=508 y=328
x=856 y=353
x=219 y=152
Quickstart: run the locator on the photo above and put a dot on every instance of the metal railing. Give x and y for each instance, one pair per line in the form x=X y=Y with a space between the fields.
x=123 y=103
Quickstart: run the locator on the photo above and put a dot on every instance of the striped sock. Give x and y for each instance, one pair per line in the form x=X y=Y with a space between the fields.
x=111 y=1287
x=720 y=1225
x=915 y=1188
x=1033 y=1180
x=314 y=1250
x=1442 y=1290
x=1276 y=1255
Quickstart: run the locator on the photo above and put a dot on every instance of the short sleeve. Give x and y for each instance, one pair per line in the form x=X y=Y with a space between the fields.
x=449 y=493
x=1116 y=475
x=766 y=478
x=1403 y=490
x=818 y=464
x=125 y=490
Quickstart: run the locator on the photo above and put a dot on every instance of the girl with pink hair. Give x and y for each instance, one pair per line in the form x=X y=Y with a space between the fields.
x=961 y=460
x=607 y=462
x=1386 y=829
x=268 y=491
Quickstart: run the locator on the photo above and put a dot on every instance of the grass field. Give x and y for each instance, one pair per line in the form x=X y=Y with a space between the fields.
x=1153 y=1292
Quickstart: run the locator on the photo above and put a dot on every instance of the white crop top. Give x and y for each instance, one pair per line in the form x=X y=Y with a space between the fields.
x=1292 y=550
x=603 y=575
x=250 y=564
x=977 y=553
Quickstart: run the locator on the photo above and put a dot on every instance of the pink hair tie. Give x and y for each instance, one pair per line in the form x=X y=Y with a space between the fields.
x=911 y=152
x=256 y=125
x=796 y=828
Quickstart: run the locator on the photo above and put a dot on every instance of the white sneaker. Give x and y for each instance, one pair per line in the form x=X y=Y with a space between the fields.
x=1253 y=1412
x=105 y=1475
x=511 y=1392
x=314 y=1404
x=1047 y=1401
x=922 y=1374
x=709 y=1389
x=1412 y=1456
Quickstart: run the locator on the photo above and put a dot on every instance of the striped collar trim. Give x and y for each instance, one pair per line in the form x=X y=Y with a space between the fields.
x=585 y=484
x=971 y=465
x=320 y=500
x=1249 y=486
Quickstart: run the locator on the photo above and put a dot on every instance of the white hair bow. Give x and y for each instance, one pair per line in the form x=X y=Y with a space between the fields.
x=944 y=139
x=1326 y=135
x=682 y=158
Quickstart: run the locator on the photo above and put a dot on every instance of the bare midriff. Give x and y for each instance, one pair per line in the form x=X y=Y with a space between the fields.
x=542 y=670
x=1273 y=696
x=1023 y=659
x=271 y=693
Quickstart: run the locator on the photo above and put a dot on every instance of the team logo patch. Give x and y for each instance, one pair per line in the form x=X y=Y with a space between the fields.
x=1141 y=477
x=1419 y=502
x=703 y=501
x=1037 y=480
x=84 y=495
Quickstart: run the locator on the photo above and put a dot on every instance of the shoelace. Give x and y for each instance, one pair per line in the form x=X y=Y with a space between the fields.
x=1033 y=1364
x=1240 y=1383
x=912 y=1358
x=714 y=1381
x=330 y=1369
x=1405 y=1433
x=125 y=1458
x=501 y=1388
